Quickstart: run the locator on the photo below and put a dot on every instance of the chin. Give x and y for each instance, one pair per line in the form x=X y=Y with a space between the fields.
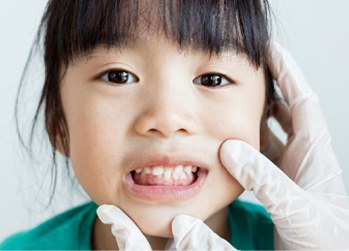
x=155 y=222
x=159 y=229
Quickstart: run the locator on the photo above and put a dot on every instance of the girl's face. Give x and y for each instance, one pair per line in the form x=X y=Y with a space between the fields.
x=156 y=109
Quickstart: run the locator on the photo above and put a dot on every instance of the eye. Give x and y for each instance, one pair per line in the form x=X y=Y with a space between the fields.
x=212 y=80
x=117 y=76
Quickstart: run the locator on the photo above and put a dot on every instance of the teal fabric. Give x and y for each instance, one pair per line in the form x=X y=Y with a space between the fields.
x=70 y=230
x=250 y=227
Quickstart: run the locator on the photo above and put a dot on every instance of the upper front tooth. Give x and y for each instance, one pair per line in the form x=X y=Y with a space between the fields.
x=139 y=170
x=158 y=170
x=178 y=169
x=168 y=172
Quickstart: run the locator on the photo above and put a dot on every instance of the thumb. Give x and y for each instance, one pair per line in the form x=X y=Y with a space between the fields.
x=256 y=173
x=128 y=236
x=190 y=233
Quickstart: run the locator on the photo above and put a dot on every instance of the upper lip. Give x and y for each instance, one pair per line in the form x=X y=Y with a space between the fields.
x=166 y=160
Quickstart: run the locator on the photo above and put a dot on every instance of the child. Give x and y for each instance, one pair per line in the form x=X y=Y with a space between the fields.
x=139 y=95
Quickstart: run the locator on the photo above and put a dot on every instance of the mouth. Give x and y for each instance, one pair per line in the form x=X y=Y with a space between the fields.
x=158 y=182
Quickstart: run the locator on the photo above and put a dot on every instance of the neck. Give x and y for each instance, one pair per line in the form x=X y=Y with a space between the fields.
x=104 y=240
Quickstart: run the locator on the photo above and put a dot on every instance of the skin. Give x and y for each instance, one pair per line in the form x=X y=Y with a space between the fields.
x=110 y=126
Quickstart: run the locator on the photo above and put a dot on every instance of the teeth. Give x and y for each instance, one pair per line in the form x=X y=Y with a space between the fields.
x=182 y=176
x=147 y=170
x=187 y=169
x=178 y=172
x=168 y=173
x=157 y=170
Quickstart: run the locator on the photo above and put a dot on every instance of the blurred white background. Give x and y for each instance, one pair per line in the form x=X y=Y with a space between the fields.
x=314 y=31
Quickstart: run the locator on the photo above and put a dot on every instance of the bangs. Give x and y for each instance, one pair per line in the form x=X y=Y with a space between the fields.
x=74 y=28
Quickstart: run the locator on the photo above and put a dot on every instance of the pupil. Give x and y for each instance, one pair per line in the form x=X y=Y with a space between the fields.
x=118 y=77
x=211 y=80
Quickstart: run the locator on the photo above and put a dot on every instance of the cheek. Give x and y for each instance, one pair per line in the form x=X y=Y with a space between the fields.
x=236 y=117
x=96 y=134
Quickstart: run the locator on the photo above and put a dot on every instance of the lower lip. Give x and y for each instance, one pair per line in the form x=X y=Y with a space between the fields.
x=162 y=192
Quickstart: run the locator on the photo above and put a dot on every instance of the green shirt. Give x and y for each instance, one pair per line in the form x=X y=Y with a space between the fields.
x=250 y=226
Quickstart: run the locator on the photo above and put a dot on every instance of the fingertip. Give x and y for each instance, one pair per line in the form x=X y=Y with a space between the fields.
x=182 y=218
x=103 y=213
x=234 y=151
x=107 y=213
x=182 y=224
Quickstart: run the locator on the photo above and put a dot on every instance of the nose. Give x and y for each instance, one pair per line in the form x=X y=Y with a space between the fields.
x=166 y=112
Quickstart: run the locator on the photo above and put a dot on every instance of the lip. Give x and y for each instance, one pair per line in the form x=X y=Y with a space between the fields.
x=162 y=192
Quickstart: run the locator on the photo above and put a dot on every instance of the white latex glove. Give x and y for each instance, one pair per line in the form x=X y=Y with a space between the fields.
x=128 y=236
x=305 y=195
x=190 y=233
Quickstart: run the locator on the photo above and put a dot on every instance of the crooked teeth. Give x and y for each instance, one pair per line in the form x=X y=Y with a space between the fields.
x=178 y=172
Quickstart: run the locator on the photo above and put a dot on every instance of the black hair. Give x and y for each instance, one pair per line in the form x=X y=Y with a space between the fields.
x=71 y=29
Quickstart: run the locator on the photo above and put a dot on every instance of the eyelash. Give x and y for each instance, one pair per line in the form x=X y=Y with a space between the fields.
x=211 y=76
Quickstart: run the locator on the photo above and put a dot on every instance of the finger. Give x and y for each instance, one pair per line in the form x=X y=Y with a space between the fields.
x=192 y=234
x=288 y=75
x=300 y=218
x=258 y=174
x=126 y=232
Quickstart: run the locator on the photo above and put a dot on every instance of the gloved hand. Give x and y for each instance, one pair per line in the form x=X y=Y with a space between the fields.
x=190 y=233
x=128 y=236
x=305 y=195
